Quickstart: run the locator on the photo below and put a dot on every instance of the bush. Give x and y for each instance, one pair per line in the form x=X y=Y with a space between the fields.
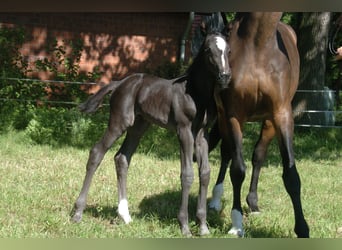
x=168 y=70
x=62 y=126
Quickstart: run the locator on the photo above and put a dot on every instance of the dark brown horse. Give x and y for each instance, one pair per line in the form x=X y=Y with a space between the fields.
x=185 y=105
x=265 y=70
x=337 y=25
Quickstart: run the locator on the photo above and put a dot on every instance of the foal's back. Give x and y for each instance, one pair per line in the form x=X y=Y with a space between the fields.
x=158 y=100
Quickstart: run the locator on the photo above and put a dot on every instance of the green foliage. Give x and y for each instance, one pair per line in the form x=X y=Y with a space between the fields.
x=13 y=65
x=168 y=69
x=290 y=18
x=12 y=62
x=62 y=126
x=65 y=67
x=19 y=98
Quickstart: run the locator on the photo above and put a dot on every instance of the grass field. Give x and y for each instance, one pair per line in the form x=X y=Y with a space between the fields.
x=39 y=184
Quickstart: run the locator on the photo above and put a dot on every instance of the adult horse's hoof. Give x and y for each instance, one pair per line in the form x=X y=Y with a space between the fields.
x=237 y=232
x=215 y=202
x=215 y=205
x=255 y=213
x=237 y=228
x=302 y=230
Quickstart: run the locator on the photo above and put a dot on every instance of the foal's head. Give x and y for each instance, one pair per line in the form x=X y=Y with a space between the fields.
x=216 y=50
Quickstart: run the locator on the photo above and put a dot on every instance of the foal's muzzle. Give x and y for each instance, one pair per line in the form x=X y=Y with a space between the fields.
x=223 y=79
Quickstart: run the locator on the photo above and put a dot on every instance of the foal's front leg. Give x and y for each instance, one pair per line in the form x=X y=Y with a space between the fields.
x=187 y=175
x=204 y=173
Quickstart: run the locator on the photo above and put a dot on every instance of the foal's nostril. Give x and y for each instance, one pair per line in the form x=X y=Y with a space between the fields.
x=224 y=79
x=223 y=76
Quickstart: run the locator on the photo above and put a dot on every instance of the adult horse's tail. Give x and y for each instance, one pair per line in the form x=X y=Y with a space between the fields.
x=93 y=102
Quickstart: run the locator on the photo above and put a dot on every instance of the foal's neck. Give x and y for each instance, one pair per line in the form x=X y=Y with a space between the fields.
x=201 y=80
x=259 y=27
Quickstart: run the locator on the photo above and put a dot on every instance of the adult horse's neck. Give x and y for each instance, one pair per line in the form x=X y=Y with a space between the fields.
x=258 y=28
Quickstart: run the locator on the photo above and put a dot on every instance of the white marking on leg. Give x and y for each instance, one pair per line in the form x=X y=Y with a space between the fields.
x=123 y=211
x=237 y=228
x=221 y=45
x=215 y=202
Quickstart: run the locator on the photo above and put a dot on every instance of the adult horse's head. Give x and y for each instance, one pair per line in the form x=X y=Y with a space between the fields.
x=216 y=51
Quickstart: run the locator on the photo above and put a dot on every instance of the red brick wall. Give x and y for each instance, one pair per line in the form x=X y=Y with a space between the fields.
x=118 y=43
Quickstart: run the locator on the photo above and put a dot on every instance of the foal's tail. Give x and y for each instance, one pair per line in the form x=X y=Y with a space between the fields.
x=93 y=102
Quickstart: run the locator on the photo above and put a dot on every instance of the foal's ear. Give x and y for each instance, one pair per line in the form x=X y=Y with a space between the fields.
x=227 y=29
x=203 y=28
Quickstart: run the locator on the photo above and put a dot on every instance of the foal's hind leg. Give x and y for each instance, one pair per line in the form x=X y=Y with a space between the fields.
x=95 y=157
x=284 y=123
x=122 y=160
x=266 y=135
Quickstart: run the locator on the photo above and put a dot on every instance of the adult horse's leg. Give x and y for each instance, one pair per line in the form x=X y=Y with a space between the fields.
x=187 y=174
x=204 y=174
x=266 y=135
x=217 y=193
x=122 y=160
x=95 y=157
x=237 y=176
x=284 y=124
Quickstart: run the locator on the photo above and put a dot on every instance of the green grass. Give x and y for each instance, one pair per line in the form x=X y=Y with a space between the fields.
x=39 y=185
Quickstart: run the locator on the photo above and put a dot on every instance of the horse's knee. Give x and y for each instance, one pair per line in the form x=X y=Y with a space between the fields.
x=95 y=156
x=187 y=178
x=121 y=164
x=238 y=172
x=205 y=176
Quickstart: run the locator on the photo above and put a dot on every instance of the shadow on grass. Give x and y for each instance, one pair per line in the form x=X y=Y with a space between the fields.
x=102 y=212
x=164 y=207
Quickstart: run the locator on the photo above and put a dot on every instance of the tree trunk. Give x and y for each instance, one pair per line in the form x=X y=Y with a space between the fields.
x=312 y=45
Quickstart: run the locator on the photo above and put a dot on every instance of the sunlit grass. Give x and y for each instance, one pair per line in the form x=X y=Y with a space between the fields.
x=39 y=185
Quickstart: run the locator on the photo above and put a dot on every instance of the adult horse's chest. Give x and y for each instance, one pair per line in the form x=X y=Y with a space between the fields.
x=252 y=86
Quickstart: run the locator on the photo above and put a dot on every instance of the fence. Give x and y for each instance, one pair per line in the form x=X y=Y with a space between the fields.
x=327 y=113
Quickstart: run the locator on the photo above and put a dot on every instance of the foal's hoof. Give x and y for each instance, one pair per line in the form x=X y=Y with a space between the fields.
x=76 y=218
x=204 y=230
x=126 y=218
x=186 y=231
